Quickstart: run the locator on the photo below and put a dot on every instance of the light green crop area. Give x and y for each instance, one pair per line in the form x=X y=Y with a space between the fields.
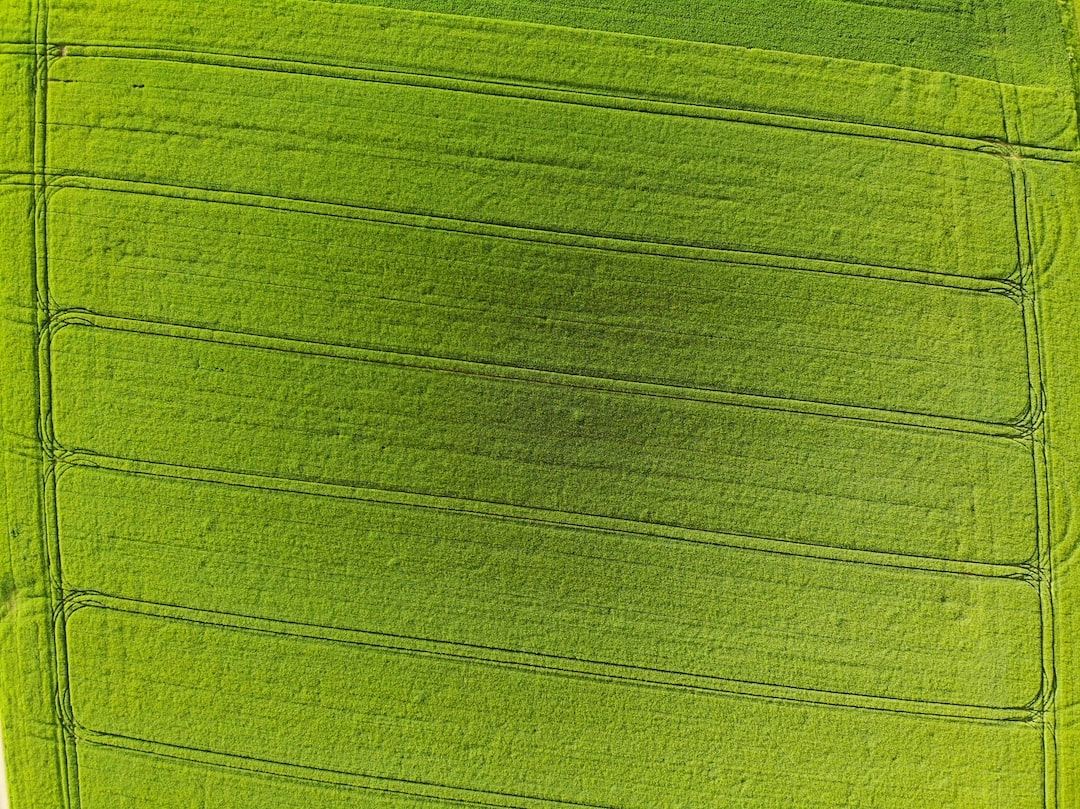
x=423 y=404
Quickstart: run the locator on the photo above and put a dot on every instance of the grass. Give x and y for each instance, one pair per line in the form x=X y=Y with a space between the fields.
x=433 y=403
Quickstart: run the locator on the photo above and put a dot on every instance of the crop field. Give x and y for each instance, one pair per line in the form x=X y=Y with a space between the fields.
x=540 y=404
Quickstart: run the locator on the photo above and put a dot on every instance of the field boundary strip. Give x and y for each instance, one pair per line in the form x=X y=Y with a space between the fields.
x=1059 y=374
x=69 y=769
x=1029 y=249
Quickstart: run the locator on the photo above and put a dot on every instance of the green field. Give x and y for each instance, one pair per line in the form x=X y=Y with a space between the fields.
x=540 y=405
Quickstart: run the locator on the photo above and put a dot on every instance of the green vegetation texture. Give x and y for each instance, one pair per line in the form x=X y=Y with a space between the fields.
x=501 y=403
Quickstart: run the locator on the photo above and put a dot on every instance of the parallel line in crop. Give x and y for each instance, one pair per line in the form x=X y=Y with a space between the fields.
x=657 y=105
x=541 y=516
x=113 y=364
x=531 y=660
x=1007 y=286
x=699 y=182
x=1017 y=431
x=550 y=722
